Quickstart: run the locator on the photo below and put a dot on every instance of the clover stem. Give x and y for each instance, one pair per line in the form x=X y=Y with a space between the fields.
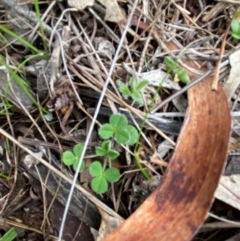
x=105 y=161
x=137 y=159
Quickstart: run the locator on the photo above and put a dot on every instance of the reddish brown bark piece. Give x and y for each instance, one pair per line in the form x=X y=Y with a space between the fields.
x=177 y=209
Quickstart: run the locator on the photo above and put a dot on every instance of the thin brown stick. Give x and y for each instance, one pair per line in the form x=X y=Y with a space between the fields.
x=216 y=75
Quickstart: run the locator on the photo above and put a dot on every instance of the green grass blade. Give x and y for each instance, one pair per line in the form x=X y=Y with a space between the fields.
x=10 y=235
x=23 y=41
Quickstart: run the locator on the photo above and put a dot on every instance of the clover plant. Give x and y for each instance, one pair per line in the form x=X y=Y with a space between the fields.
x=133 y=89
x=175 y=67
x=101 y=176
x=117 y=130
x=72 y=158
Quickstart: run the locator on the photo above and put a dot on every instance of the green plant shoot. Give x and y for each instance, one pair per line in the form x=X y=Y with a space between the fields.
x=70 y=158
x=133 y=89
x=119 y=129
x=106 y=150
x=235 y=26
x=102 y=176
x=175 y=67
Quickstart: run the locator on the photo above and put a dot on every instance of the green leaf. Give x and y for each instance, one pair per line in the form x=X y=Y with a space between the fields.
x=133 y=134
x=123 y=88
x=106 y=131
x=75 y=165
x=10 y=235
x=137 y=97
x=99 y=184
x=141 y=85
x=77 y=150
x=183 y=76
x=68 y=158
x=133 y=83
x=112 y=174
x=100 y=151
x=118 y=121
x=106 y=145
x=236 y=36
x=112 y=154
x=170 y=63
x=96 y=169
x=122 y=136
x=235 y=26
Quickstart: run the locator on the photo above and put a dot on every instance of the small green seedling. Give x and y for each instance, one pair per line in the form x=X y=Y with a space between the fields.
x=72 y=158
x=101 y=176
x=175 y=67
x=10 y=235
x=235 y=26
x=106 y=150
x=133 y=89
x=119 y=129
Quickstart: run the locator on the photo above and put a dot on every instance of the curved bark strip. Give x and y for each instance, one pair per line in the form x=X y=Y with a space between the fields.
x=177 y=209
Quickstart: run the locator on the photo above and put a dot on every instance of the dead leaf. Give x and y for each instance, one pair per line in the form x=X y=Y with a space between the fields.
x=113 y=12
x=104 y=47
x=228 y=190
x=178 y=207
x=155 y=77
x=108 y=224
x=80 y=4
x=234 y=77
